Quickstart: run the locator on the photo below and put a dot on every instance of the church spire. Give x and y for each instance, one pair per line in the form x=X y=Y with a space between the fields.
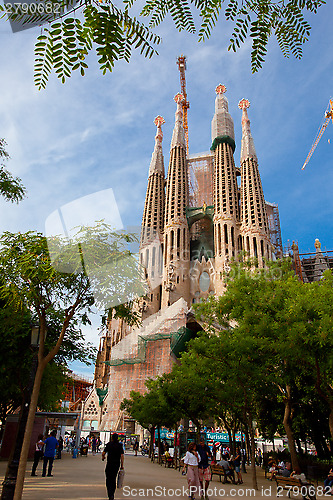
x=222 y=123
x=178 y=136
x=176 y=232
x=157 y=160
x=247 y=149
x=226 y=205
x=153 y=223
x=254 y=220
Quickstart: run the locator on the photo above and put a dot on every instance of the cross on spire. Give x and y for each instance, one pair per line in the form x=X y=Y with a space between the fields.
x=221 y=89
x=178 y=98
x=243 y=104
x=159 y=120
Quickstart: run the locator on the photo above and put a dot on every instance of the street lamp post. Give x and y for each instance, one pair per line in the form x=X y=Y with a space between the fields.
x=9 y=483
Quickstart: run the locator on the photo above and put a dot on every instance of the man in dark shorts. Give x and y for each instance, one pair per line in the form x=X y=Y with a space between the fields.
x=204 y=469
x=115 y=460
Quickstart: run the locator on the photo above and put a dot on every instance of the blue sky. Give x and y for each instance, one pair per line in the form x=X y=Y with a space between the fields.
x=97 y=132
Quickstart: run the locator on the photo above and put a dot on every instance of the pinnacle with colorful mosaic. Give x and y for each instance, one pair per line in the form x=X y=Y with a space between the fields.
x=221 y=89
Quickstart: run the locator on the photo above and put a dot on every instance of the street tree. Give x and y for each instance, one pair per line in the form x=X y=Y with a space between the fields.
x=291 y=322
x=74 y=29
x=256 y=300
x=81 y=272
x=11 y=188
x=233 y=364
x=311 y=314
x=17 y=359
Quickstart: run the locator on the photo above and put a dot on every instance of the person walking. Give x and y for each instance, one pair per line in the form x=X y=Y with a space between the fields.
x=203 y=467
x=192 y=460
x=38 y=453
x=94 y=445
x=115 y=460
x=237 y=465
x=136 y=447
x=51 y=444
x=60 y=447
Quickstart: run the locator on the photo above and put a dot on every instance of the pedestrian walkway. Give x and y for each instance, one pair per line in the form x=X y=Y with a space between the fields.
x=83 y=478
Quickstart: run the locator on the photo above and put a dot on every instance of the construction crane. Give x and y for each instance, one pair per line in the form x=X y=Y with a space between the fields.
x=181 y=61
x=328 y=115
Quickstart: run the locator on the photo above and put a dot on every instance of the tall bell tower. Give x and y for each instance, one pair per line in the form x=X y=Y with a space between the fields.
x=226 y=202
x=176 y=279
x=151 y=241
x=254 y=229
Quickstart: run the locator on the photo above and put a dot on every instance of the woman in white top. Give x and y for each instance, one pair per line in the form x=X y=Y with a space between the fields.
x=192 y=460
x=38 y=453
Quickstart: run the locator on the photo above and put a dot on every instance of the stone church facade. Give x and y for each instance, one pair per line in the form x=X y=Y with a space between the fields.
x=198 y=218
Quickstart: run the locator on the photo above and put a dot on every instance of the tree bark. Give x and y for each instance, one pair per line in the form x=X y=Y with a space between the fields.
x=42 y=362
x=151 y=444
x=299 y=446
x=288 y=429
x=28 y=432
x=253 y=455
x=14 y=458
x=233 y=448
x=330 y=418
x=175 y=447
x=247 y=445
x=229 y=436
x=159 y=443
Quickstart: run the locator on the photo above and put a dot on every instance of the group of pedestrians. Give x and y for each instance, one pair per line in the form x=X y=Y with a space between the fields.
x=46 y=449
x=114 y=451
x=198 y=468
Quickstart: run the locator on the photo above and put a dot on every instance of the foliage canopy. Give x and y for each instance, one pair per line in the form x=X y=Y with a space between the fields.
x=11 y=188
x=114 y=32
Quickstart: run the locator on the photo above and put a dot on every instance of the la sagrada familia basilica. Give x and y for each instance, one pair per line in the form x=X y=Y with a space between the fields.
x=195 y=221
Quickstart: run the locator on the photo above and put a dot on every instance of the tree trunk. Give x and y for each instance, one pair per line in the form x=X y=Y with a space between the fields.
x=299 y=446
x=243 y=455
x=233 y=448
x=326 y=449
x=151 y=444
x=159 y=443
x=247 y=445
x=42 y=363
x=9 y=483
x=288 y=429
x=253 y=455
x=330 y=418
x=198 y=428
x=28 y=432
x=230 y=436
x=317 y=442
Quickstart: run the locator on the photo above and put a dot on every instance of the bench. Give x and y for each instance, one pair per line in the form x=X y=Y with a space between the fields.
x=295 y=486
x=218 y=470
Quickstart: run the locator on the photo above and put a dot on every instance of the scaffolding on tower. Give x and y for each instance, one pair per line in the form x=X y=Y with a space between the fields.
x=274 y=227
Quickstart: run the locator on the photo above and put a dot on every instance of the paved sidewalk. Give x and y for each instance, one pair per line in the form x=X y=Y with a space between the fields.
x=83 y=478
